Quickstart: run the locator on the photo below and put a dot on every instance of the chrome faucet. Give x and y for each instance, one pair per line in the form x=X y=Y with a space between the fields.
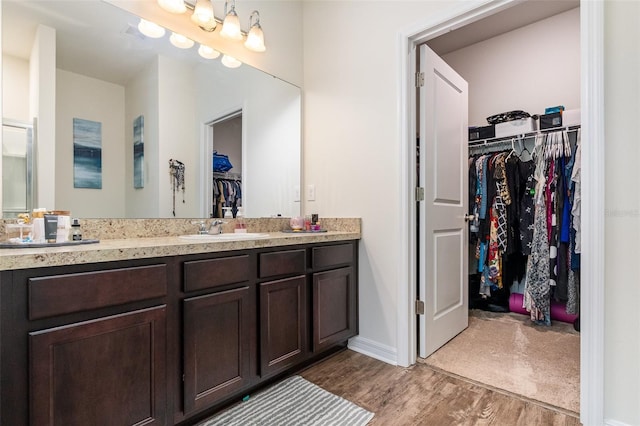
x=216 y=226
x=202 y=227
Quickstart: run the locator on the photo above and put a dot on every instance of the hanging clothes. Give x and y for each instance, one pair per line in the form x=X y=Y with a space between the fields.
x=523 y=228
x=227 y=192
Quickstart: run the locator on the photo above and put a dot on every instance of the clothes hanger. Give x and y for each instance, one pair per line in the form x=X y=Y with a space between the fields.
x=513 y=149
x=524 y=149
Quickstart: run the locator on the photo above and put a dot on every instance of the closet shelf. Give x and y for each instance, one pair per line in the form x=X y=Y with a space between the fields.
x=227 y=175
x=486 y=142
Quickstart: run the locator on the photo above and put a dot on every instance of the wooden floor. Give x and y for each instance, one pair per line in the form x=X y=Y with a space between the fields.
x=420 y=395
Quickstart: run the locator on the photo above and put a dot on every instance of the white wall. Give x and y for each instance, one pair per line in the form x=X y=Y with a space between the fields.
x=15 y=88
x=351 y=138
x=622 y=214
x=178 y=136
x=42 y=101
x=142 y=99
x=96 y=100
x=528 y=69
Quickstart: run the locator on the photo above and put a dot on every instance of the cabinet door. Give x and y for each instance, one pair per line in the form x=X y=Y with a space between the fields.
x=335 y=313
x=218 y=330
x=283 y=324
x=109 y=371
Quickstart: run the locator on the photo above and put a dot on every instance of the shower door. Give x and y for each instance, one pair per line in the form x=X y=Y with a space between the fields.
x=17 y=168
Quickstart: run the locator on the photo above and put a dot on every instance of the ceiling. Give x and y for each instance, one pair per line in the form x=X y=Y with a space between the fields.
x=524 y=13
x=101 y=32
x=93 y=38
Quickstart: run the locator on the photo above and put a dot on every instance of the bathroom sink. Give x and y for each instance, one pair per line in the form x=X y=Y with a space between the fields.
x=224 y=237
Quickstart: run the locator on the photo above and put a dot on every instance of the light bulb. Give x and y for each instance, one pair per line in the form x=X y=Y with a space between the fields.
x=180 y=41
x=255 y=39
x=230 y=62
x=208 y=52
x=150 y=29
x=203 y=15
x=173 y=6
x=231 y=26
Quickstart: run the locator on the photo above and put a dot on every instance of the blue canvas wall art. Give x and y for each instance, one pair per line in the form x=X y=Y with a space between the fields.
x=87 y=154
x=138 y=152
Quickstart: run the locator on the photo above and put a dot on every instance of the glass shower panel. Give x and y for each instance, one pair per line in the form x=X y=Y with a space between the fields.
x=17 y=154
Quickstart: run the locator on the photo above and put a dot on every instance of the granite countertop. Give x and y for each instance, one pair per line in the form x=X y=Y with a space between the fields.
x=147 y=247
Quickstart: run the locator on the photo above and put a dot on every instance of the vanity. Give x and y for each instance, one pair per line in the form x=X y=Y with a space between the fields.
x=164 y=331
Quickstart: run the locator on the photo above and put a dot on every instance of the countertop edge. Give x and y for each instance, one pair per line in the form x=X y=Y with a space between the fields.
x=142 y=248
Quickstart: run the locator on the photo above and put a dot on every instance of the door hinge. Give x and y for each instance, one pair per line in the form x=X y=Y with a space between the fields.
x=419 y=307
x=419 y=79
x=183 y=377
x=419 y=193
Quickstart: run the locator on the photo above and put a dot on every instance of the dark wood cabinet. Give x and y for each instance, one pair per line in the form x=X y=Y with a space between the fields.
x=109 y=371
x=166 y=341
x=334 y=301
x=283 y=324
x=217 y=345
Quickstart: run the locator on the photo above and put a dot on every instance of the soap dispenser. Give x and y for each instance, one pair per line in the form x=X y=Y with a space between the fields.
x=76 y=233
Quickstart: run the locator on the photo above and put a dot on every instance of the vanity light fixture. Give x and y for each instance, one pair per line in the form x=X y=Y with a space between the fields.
x=231 y=24
x=180 y=41
x=208 y=52
x=203 y=15
x=230 y=61
x=150 y=29
x=255 y=38
x=173 y=6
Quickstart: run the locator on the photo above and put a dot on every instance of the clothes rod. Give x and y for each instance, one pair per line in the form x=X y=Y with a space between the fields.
x=505 y=139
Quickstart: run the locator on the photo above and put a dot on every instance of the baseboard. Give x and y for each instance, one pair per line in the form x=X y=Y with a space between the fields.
x=374 y=349
x=611 y=422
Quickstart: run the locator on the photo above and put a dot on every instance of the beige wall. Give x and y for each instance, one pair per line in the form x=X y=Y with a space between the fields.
x=142 y=99
x=528 y=69
x=15 y=88
x=95 y=100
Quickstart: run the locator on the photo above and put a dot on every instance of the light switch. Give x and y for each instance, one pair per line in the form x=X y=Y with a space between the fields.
x=311 y=192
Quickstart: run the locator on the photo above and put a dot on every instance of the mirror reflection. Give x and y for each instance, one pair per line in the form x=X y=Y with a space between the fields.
x=93 y=85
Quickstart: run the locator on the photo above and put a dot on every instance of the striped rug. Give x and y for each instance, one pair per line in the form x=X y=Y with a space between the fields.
x=293 y=402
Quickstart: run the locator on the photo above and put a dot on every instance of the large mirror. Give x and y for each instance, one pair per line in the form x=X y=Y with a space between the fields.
x=99 y=90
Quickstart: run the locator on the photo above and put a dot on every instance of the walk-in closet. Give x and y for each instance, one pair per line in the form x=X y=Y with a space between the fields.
x=524 y=203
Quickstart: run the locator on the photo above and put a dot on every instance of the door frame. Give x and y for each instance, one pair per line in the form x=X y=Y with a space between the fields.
x=206 y=153
x=593 y=124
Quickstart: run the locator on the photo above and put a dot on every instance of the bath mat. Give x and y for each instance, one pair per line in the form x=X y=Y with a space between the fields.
x=294 y=401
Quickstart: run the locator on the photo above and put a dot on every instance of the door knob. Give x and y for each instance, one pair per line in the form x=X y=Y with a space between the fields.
x=469 y=217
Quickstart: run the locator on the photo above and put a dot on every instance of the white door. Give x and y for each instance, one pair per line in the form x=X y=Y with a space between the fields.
x=443 y=242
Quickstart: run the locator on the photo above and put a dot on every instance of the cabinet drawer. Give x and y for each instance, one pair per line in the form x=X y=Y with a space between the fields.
x=326 y=256
x=65 y=294
x=202 y=274
x=282 y=263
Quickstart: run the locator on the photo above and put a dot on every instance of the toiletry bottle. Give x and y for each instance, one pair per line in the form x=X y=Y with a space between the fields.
x=76 y=233
x=241 y=226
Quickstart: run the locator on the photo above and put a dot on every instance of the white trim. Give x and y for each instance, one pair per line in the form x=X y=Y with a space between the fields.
x=592 y=276
x=611 y=422
x=406 y=331
x=592 y=92
x=373 y=349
